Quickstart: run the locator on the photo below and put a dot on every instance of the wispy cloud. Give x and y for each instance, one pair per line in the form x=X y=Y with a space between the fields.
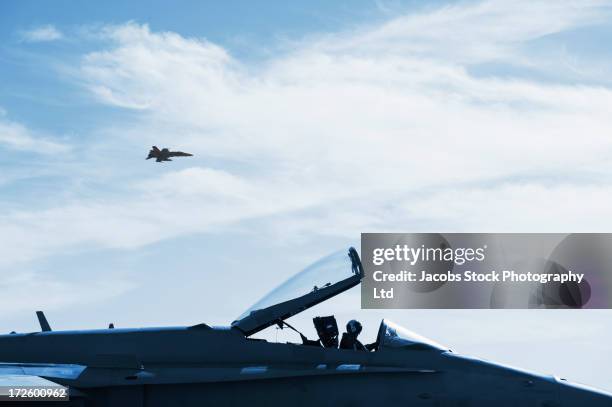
x=472 y=32
x=45 y=33
x=23 y=292
x=373 y=121
x=15 y=136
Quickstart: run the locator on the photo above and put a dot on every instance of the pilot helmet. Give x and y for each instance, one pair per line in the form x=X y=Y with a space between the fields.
x=353 y=327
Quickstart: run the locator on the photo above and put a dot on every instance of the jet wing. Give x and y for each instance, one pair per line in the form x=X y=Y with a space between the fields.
x=97 y=377
x=38 y=377
x=26 y=381
x=154 y=152
x=78 y=378
x=49 y=371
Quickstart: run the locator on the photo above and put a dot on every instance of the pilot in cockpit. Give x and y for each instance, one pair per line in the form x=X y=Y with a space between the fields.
x=349 y=338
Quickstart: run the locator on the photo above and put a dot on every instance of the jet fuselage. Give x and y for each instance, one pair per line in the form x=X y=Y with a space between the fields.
x=218 y=366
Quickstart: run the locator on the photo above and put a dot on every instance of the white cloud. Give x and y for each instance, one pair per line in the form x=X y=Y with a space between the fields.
x=43 y=33
x=198 y=181
x=25 y=291
x=358 y=130
x=15 y=136
x=470 y=33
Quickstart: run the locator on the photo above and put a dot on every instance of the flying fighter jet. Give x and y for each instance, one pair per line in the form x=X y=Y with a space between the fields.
x=202 y=365
x=164 y=154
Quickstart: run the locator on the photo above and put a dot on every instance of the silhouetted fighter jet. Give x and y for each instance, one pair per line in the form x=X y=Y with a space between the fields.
x=164 y=154
x=223 y=366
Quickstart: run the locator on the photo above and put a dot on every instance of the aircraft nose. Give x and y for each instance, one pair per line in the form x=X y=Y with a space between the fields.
x=576 y=395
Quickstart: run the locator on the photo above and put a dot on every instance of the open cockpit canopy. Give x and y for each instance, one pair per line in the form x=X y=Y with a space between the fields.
x=320 y=281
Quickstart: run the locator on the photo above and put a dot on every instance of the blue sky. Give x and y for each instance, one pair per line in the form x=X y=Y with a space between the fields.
x=311 y=123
